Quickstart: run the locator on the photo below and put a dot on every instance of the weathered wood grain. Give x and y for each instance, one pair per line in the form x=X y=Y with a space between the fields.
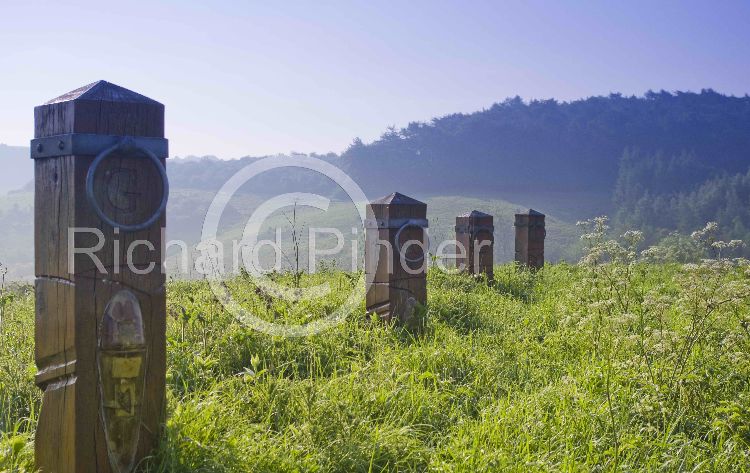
x=530 y=234
x=474 y=232
x=396 y=286
x=71 y=298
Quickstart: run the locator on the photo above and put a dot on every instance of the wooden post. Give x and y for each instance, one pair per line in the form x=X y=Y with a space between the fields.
x=530 y=233
x=475 y=234
x=100 y=322
x=396 y=257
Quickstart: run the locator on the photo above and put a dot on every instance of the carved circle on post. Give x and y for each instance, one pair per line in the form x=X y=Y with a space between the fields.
x=411 y=224
x=128 y=145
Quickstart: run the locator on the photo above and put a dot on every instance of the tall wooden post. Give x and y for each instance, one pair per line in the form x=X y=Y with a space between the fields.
x=475 y=233
x=530 y=233
x=396 y=257
x=100 y=317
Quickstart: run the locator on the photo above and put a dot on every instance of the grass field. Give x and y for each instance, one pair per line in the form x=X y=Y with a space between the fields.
x=614 y=367
x=187 y=208
x=560 y=244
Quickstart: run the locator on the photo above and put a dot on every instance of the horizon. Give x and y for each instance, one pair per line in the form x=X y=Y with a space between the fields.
x=253 y=80
x=525 y=101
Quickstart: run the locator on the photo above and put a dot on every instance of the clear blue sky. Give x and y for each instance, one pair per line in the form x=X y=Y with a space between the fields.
x=254 y=78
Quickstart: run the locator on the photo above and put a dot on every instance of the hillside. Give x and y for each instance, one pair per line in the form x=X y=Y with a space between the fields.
x=187 y=207
x=561 y=242
x=662 y=162
x=558 y=146
x=639 y=158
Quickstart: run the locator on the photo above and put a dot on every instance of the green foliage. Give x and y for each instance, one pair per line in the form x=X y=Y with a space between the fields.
x=611 y=365
x=558 y=146
x=19 y=398
x=662 y=195
x=674 y=161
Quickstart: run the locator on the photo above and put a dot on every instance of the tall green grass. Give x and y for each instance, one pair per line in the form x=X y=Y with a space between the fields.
x=539 y=371
x=19 y=398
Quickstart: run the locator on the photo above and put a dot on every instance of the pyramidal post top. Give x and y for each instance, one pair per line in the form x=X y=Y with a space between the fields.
x=475 y=214
x=532 y=212
x=397 y=198
x=103 y=91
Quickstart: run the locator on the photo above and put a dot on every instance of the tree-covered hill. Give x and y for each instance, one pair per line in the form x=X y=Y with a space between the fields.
x=562 y=146
x=545 y=145
x=661 y=162
x=596 y=155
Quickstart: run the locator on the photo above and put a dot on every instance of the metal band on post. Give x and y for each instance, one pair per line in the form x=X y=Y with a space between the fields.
x=475 y=230
x=89 y=144
x=129 y=145
x=377 y=223
x=475 y=234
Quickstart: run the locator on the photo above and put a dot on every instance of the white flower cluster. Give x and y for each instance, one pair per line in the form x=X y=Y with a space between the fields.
x=625 y=305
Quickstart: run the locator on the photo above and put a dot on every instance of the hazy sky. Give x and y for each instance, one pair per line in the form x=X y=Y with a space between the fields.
x=256 y=78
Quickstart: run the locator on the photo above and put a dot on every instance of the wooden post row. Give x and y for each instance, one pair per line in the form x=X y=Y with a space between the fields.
x=396 y=257
x=530 y=234
x=100 y=323
x=475 y=234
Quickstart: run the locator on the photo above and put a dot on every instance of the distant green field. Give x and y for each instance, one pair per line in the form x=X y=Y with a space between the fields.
x=187 y=209
x=561 y=242
x=573 y=368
